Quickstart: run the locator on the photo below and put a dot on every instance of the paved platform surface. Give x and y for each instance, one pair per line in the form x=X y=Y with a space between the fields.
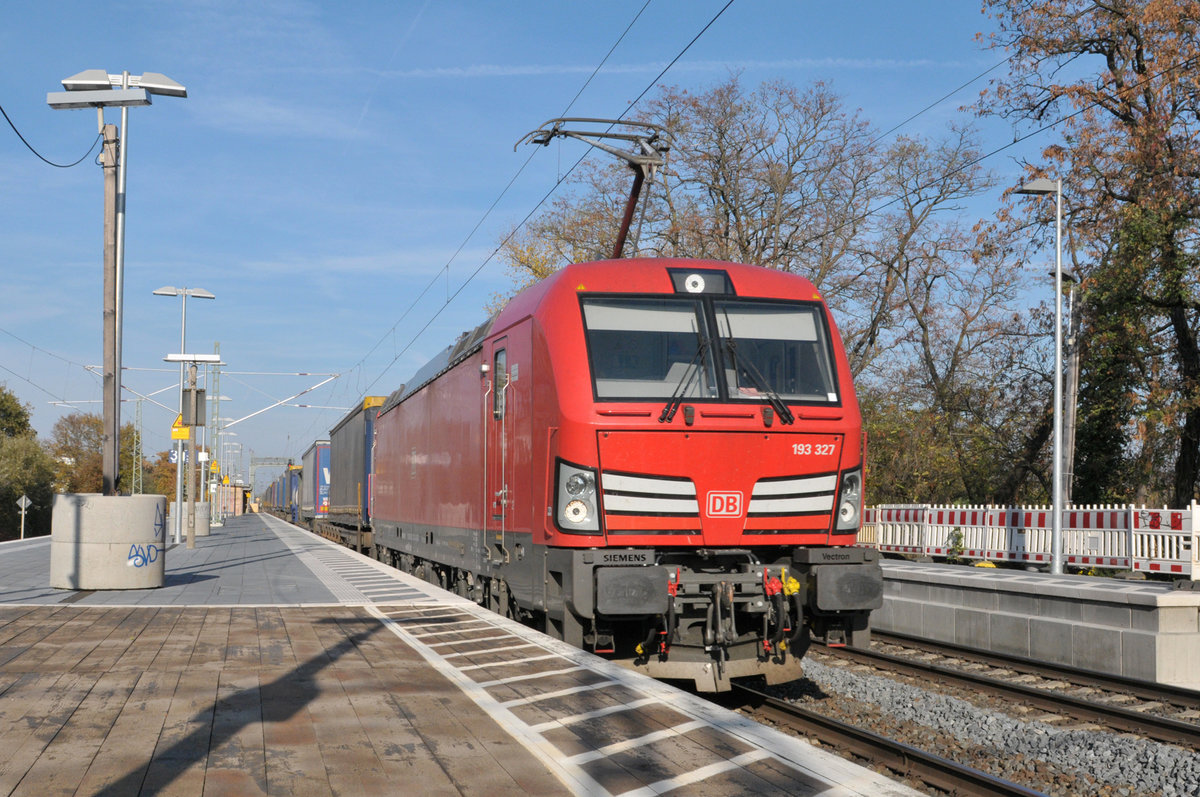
x=275 y=662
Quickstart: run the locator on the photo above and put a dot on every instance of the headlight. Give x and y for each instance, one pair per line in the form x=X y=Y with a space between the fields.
x=576 y=512
x=577 y=483
x=575 y=499
x=850 y=501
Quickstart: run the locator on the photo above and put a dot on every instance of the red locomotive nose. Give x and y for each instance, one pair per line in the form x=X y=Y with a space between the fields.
x=721 y=489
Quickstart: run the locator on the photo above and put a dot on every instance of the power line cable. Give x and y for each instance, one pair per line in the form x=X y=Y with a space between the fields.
x=99 y=136
x=940 y=100
x=976 y=161
x=446 y=268
x=492 y=207
x=545 y=197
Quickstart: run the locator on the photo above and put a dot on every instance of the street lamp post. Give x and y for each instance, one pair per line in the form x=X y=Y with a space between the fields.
x=199 y=293
x=227 y=470
x=95 y=88
x=194 y=413
x=1044 y=186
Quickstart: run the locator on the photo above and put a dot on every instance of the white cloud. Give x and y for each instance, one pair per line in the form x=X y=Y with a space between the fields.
x=654 y=67
x=261 y=116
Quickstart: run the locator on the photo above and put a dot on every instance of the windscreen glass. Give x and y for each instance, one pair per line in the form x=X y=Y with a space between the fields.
x=649 y=348
x=775 y=347
x=708 y=348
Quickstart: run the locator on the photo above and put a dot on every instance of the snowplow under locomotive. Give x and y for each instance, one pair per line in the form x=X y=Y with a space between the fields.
x=656 y=459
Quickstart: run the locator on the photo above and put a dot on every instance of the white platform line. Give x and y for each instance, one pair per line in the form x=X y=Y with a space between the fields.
x=458 y=626
x=640 y=741
x=484 y=651
x=511 y=662
x=697 y=775
x=436 y=619
x=542 y=727
x=471 y=639
x=533 y=676
x=573 y=777
x=521 y=701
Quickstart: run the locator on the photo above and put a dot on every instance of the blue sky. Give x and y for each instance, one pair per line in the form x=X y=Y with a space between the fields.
x=332 y=159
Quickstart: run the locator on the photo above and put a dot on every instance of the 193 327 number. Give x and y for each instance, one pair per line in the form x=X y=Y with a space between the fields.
x=813 y=449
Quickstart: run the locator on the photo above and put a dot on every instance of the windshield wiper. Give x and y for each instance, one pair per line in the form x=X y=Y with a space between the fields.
x=685 y=382
x=760 y=383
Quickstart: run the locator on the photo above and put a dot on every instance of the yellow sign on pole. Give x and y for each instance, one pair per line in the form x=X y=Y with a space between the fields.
x=179 y=431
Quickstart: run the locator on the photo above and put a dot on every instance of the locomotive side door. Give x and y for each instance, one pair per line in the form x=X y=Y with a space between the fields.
x=497 y=454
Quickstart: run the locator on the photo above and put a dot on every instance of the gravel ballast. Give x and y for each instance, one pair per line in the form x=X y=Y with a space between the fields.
x=1110 y=763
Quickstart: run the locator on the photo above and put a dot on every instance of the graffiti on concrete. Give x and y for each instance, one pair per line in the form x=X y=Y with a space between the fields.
x=142 y=555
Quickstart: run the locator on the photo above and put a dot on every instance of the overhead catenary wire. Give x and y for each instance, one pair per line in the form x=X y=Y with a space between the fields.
x=866 y=214
x=487 y=213
x=540 y=202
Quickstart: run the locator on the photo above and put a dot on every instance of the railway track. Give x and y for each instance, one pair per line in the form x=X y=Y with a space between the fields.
x=954 y=721
x=901 y=759
x=1155 y=711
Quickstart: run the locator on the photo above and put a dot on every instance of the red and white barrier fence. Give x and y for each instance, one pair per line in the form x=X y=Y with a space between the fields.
x=1111 y=537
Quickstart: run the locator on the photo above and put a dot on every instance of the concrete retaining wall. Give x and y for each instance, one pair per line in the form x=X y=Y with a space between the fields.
x=1147 y=630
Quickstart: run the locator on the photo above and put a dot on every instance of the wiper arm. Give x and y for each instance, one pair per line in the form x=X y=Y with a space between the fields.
x=760 y=383
x=681 y=389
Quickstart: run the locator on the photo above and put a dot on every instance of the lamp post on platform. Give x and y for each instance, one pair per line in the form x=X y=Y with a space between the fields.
x=199 y=293
x=1043 y=186
x=95 y=88
x=194 y=417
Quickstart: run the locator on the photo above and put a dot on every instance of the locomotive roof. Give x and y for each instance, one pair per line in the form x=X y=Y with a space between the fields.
x=467 y=343
x=524 y=302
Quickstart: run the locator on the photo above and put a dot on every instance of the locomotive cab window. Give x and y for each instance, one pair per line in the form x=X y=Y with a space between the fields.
x=715 y=348
x=648 y=348
x=775 y=347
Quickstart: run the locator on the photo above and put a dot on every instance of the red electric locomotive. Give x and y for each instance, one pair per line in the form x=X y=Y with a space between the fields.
x=657 y=459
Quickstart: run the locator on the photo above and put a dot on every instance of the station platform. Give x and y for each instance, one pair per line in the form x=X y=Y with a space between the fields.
x=1140 y=629
x=275 y=662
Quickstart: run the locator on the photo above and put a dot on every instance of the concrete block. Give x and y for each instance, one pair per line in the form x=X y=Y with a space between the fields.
x=984 y=599
x=1175 y=660
x=1165 y=619
x=1009 y=634
x=1139 y=655
x=946 y=594
x=906 y=590
x=1112 y=615
x=203 y=526
x=1050 y=640
x=937 y=622
x=972 y=628
x=1060 y=608
x=102 y=542
x=1097 y=648
x=899 y=616
x=1019 y=603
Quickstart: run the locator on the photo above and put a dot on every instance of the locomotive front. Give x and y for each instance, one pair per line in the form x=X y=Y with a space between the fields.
x=707 y=470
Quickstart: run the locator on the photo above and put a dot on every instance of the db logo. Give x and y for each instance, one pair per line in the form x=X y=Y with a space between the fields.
x=724 y=504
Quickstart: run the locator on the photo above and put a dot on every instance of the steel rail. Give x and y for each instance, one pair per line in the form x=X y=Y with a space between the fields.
x=1161 y=729
x=1146 y=690
x=904 y=760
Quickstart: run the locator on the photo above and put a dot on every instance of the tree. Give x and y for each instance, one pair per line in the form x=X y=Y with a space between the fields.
x=790 y=179
x=160 y=475
x=14 y=416
x=1121 y=78
x=75 y=444
x=26 y=469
